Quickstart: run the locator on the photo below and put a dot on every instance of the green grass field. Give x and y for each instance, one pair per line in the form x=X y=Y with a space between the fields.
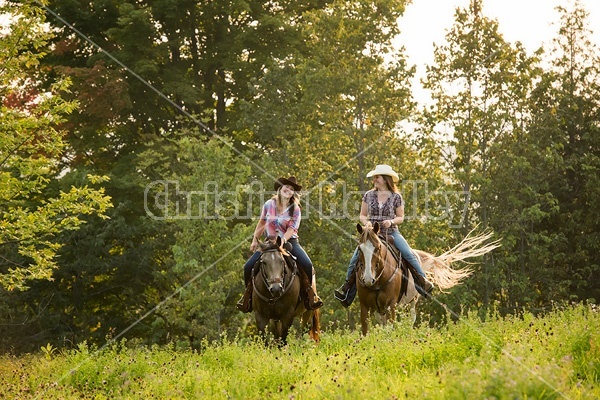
x=555 y=356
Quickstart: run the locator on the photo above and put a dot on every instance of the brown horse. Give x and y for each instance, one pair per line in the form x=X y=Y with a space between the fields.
x=379 y=275
x=276 y=295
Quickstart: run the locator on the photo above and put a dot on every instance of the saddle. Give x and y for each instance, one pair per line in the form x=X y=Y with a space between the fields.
x=307 y=294
x=391 y=246
x=405 y=266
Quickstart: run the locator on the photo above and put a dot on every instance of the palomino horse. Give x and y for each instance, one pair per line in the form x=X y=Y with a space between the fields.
x=276 y=294
x=379 y=276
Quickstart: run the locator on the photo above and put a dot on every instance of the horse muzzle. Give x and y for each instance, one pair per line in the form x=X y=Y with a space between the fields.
x=369 y=282
x=276 y=288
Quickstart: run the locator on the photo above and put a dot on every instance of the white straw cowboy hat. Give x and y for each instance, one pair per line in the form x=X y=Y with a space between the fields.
x=384 y=169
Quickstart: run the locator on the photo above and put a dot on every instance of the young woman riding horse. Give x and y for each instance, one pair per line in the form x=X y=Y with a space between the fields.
x=280 y=217
x=384 y=282
x=383 y=204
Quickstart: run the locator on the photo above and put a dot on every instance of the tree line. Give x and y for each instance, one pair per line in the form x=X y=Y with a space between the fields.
x=139 y=139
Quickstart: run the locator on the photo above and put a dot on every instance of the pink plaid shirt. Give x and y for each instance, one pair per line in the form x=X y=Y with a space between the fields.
x=278 y=224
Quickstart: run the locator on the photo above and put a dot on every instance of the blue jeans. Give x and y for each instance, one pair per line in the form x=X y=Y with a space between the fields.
x=302 y=260
x=402 y=245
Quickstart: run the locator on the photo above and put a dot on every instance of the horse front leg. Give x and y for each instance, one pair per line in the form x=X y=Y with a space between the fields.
x=261 y=324
x=286 y=323
x=392 y=313
x=364 y=319
x=276 y=330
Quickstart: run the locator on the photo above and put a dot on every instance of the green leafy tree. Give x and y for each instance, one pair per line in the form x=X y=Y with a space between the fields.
x=158 y=59
x=565 y=105
x=480 y=85
x=213 y=202
x=31 y=147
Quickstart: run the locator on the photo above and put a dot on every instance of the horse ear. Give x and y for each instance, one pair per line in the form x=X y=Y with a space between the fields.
x=279 y=241
x=261 y=245
x=376 y=228
x=359 y=228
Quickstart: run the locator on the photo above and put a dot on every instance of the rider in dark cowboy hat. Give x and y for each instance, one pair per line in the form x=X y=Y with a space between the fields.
x=281 y=217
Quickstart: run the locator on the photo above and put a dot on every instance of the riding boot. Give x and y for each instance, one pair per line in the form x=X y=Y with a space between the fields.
x=423 y=286
x=427 y=286
x=307 y=294
x=345 y=293
x=317 y=302
x=245 y=303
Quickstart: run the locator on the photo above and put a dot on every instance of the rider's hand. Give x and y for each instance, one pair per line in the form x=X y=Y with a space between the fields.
x=254 y=244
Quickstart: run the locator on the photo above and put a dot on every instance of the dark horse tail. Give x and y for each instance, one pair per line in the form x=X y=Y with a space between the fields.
x=315 y=326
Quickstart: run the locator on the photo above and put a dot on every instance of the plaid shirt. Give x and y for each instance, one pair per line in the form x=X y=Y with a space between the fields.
x=278 y=224
x=387 y=210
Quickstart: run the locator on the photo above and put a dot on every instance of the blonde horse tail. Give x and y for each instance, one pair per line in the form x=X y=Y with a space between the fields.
x=438 y=268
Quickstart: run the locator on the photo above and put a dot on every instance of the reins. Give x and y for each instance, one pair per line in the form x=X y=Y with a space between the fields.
x=388 y=251
x=378 y=289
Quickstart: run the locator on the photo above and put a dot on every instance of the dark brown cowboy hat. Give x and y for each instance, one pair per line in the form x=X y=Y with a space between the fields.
x=287 y=181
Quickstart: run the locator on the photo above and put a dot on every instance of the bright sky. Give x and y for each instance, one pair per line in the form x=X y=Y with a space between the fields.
x=532 y=22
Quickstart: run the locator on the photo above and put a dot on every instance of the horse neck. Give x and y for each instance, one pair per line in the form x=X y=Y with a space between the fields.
x=387 y=267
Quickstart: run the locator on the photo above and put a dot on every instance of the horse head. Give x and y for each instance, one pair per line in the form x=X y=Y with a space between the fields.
x=370 y=249
x=272 y=265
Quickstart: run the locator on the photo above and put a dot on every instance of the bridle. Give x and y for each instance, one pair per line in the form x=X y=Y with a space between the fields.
x=379 y=262
x=279 y=279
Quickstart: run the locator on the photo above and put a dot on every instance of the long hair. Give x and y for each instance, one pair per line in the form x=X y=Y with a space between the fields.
x=390 y=184
x=294 y=200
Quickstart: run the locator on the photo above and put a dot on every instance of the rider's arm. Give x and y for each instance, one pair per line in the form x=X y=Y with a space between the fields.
x=364 y=214
x=289 y=233
x=399 y=218
x=260 y=228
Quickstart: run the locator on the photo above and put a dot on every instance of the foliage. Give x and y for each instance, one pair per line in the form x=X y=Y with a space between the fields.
x=31 y=147
x=520 y=135
x=224 y=97
x=551 y=356
x=207 y=199
x=569 y=131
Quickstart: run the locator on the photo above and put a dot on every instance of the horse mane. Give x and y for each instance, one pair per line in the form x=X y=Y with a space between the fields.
x=368 y=233
x=271 y=244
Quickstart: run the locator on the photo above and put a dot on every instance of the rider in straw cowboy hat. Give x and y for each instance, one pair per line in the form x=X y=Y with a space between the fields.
x=382 y=204
x=281 y=217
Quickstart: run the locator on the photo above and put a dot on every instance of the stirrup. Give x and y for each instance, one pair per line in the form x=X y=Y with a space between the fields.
x=426 y=290
x=240 y=304
x=338 y=294
x=241 y=307
x=317 y=302
x=341 y=292
x=342 y=297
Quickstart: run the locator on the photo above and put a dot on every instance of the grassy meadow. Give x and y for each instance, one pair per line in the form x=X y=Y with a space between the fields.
x=555 y=356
